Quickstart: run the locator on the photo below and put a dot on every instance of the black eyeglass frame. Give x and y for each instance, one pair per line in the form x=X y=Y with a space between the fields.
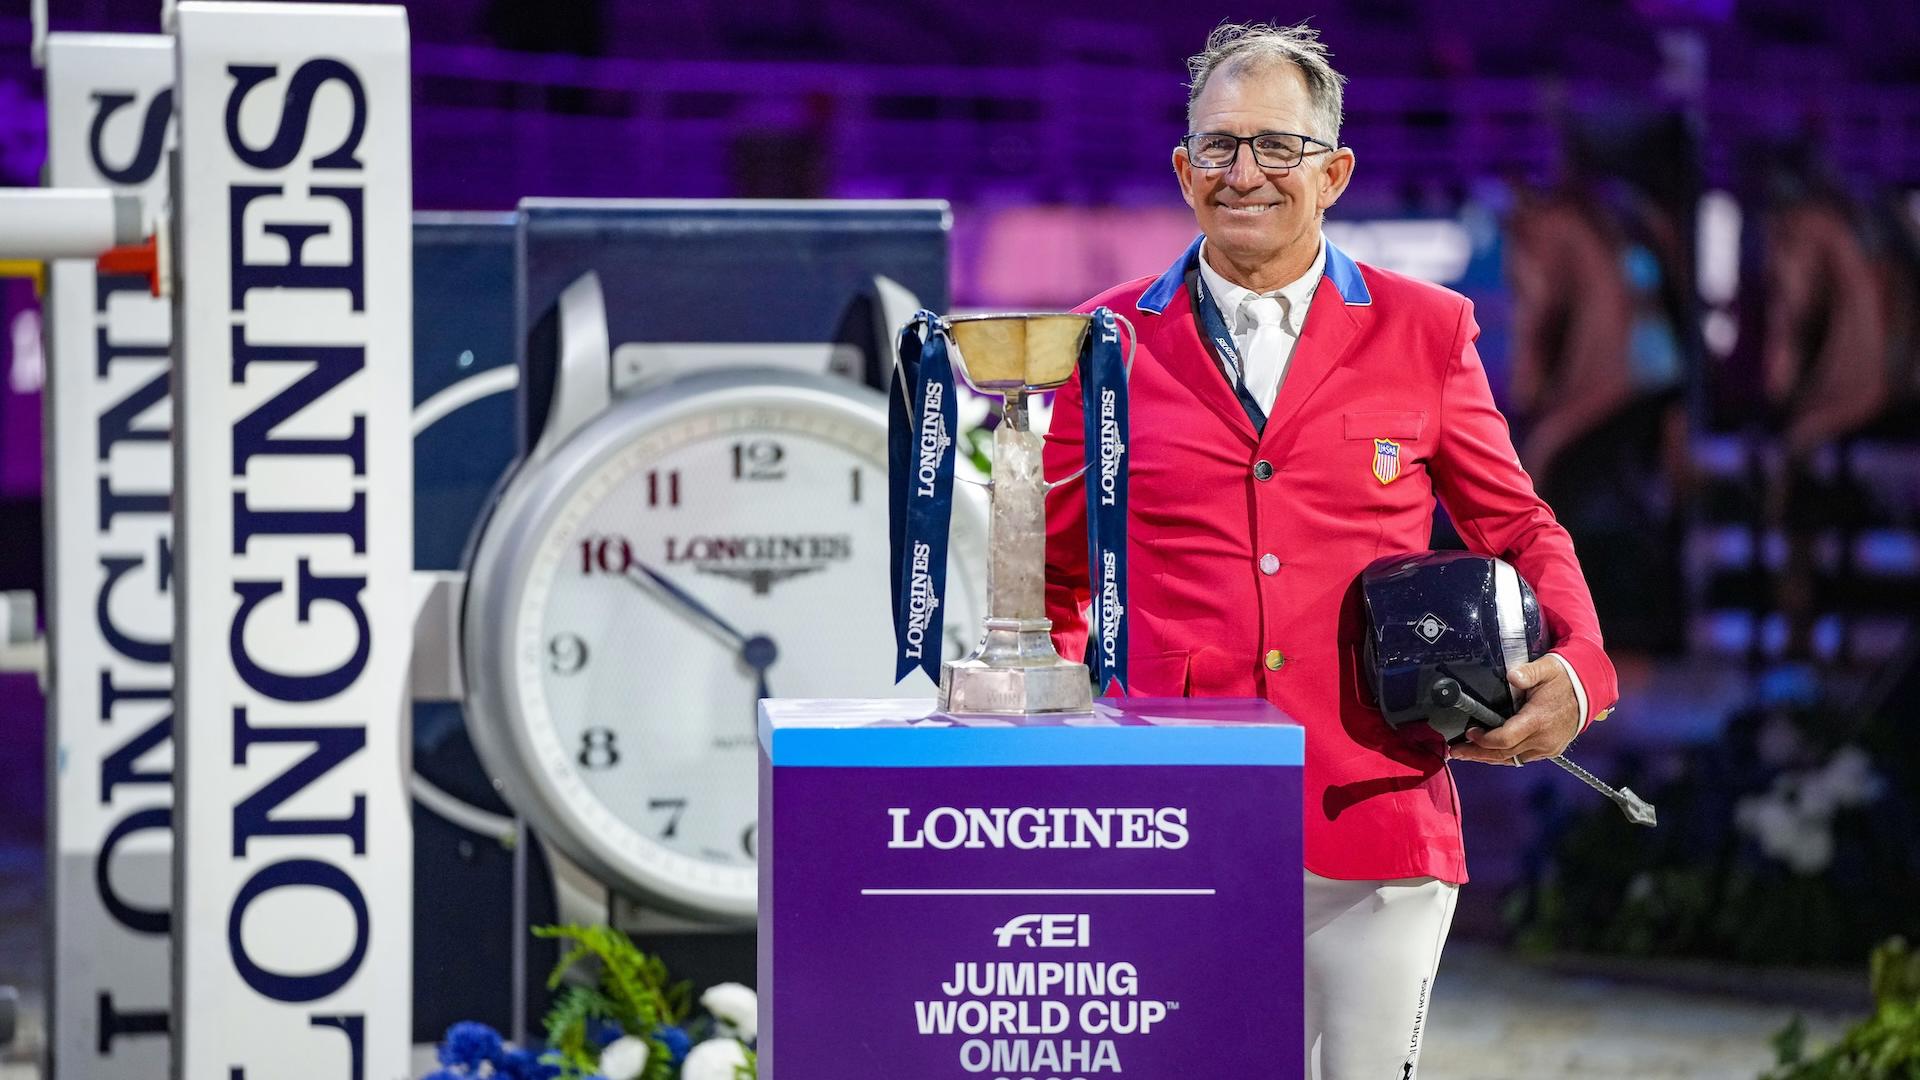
x=1186 y=143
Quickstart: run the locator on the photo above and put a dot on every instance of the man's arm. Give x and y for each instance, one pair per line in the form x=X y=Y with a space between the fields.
x=1068 y=593
x=1536 y=302
x=1492 y=503
x=1579 y=282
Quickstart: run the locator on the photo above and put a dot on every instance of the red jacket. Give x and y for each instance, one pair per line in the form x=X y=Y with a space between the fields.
x=1381 y=357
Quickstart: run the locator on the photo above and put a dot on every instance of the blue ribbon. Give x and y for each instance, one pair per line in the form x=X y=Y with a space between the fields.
x=1215 y=328
x=1103 y=379
x=920 y=451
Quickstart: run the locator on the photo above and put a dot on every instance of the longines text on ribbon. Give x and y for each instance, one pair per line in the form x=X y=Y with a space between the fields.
x=921 y=602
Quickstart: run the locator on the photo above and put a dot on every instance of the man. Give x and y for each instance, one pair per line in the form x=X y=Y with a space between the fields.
x=1278 y=447
x=1824 y=361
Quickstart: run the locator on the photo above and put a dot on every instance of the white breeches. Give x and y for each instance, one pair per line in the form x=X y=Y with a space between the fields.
x=1371 y=953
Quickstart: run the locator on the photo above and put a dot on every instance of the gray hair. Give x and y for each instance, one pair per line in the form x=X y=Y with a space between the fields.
x=1236 y=49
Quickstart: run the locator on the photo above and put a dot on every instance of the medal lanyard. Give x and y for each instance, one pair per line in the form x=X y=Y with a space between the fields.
x=1215 y=327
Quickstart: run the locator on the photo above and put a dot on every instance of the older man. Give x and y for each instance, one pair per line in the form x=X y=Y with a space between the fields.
x=1294 y=416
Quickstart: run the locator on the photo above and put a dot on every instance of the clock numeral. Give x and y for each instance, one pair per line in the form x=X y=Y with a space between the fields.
x=674 y=808
x=856 y=485
x=566 y=654
x=608 y=554
x=670 y=489
x=598 y=750
x=750 y=841
x=758 y=460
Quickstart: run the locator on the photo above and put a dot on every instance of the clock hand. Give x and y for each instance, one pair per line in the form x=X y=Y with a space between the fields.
x=757 y=652
x=686 y=601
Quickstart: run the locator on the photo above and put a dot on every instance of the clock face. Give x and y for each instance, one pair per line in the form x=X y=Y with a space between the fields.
x=730 y=548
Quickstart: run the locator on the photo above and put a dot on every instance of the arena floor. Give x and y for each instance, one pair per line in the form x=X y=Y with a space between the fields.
x=1499 y=1018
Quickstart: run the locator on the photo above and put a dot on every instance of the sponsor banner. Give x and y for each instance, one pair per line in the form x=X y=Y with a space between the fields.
x=294 y=533
x=110 y=578
x=1030 y=897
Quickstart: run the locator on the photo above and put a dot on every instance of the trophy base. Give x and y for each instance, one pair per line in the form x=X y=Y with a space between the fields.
x=1015 y=672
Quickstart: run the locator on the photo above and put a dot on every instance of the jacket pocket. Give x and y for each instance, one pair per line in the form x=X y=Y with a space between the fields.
x=1384 y=425
x=1161 y=675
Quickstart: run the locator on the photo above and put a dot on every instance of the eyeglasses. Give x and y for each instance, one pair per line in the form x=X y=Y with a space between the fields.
x=1271 y=149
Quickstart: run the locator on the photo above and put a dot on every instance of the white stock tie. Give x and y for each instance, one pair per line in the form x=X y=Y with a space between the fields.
x=1267 y=348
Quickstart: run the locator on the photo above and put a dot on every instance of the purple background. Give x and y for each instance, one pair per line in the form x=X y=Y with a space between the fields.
x=849 y=967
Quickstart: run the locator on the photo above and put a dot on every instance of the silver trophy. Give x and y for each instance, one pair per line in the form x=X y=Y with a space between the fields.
x=1015 y=670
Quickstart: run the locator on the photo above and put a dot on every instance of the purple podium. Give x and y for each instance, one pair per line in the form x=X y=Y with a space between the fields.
x=1115 y=894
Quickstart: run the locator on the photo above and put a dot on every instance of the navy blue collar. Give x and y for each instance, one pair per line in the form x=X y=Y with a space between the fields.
x=1341 y=269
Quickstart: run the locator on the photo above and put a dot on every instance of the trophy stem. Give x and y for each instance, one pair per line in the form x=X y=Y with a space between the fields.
x=1016 y=576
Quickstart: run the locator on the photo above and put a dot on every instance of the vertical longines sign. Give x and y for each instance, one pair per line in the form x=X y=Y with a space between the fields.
x=110 y=479
x=293 y=524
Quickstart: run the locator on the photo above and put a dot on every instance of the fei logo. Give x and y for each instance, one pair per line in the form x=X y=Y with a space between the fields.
x=1045 y=931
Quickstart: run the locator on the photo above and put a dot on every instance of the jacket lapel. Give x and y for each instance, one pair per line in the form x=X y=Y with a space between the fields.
x=1340 y=307
x=1177 y=342
x=1331 y=329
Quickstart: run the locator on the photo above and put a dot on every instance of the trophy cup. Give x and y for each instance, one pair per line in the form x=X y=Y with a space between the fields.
x=1015 y=669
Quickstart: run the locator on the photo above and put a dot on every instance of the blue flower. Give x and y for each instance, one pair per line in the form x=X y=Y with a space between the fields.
x=524 y=1065
x=468 y=1044
x=448 y=1074
x=676 y=1040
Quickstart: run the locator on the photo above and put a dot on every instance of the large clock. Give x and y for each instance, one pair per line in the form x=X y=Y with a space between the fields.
x=643 y=583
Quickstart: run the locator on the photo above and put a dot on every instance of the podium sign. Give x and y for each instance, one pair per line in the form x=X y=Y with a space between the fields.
x=1014 y=897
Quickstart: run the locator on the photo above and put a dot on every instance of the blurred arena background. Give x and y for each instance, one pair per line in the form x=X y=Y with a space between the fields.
x=1692 y=232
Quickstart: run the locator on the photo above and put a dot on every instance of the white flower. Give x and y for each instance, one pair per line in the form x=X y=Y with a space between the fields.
x=715 y=1059
x=1794 y=821
x=1847 y=779
x=734 y=1005
x=1802 y=841
x=1851 y=778
x=624 y=1058
x=1811 y=850
x=1769 y=818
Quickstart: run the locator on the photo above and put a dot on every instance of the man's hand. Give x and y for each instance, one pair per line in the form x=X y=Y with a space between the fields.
x=1547 y=721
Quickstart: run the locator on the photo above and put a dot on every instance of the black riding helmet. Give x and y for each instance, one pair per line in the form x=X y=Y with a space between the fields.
x=1442 y=626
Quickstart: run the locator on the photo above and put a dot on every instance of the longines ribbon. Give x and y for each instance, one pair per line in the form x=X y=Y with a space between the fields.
x=920 y=448
x=1215 y=327
x=1103 y=378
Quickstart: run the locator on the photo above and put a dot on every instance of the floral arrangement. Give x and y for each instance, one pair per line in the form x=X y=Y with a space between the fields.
x=1787 y=840
x=629 y=1022
x=1885 y=1046
x=476 y=1050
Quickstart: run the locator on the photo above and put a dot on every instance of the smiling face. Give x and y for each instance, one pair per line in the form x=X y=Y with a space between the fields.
x=1262 y=226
